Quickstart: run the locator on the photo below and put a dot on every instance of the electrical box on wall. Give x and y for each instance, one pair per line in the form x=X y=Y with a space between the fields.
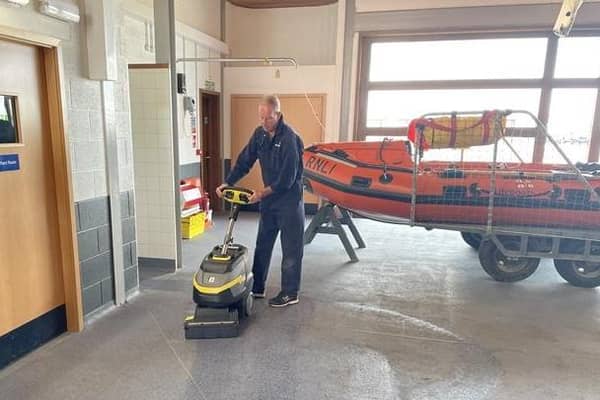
x=181 y=83
x=101 y=41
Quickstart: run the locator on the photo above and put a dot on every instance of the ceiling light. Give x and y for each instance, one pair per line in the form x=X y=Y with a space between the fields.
x=16 y=3
x=60 y=9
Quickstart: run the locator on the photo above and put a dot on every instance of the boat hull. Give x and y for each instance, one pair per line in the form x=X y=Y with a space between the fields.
x=352 y=176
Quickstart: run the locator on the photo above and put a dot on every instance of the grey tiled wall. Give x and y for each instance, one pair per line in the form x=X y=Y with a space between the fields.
x=95 y=250
x=130 y=263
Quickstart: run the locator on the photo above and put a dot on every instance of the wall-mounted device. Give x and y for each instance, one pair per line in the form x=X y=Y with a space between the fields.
x=15 y=3
x=190 y=125
x=181 y=83
x=60 y=9
x=566 y=17
x=189 y=104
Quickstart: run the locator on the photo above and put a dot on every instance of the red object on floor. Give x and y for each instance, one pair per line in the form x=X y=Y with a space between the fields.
x=194 y=195
x=191 y=192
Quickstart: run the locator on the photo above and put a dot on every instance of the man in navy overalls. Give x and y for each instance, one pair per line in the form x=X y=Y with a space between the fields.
x=279 y=150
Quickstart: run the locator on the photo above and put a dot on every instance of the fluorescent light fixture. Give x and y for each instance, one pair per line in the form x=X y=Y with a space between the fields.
x=60 y=9
x=16 y=3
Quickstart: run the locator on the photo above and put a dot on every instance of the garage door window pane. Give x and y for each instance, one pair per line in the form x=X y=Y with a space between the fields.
x=522 y=145
x=395 y=108
x=377 y=138
x=570 y=124
x=578 y=57
x=458 y=59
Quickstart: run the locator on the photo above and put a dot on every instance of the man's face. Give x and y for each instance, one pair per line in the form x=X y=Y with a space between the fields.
x=268 y=117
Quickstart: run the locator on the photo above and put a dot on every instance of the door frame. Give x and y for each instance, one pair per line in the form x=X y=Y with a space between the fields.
x=50 y=51
x=218 y=174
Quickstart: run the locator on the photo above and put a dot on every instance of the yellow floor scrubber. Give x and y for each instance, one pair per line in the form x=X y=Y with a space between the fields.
x=223 y=283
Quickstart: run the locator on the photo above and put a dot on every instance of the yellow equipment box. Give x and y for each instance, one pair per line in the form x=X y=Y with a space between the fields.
x=193 y=225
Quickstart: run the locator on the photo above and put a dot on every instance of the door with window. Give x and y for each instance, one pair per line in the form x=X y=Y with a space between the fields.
x=31 y=280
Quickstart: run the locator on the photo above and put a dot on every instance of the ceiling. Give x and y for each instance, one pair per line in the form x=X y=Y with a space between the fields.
x=280 y=3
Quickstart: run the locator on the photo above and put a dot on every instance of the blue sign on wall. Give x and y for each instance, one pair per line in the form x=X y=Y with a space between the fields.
x=9 y=162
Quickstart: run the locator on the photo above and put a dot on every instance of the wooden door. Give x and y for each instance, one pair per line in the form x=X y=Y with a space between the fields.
x=31 y=278
x=211 y=145
x=296 y=112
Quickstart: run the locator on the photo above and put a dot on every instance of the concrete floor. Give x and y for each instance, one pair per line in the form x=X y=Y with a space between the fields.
x=416 y=318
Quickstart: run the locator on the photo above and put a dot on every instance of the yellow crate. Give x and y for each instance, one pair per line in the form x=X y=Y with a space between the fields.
x=192 y=226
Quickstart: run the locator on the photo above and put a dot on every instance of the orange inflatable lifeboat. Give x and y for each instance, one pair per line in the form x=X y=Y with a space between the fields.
x=380 y=178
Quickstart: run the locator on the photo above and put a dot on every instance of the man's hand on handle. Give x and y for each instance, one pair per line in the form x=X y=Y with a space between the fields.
x=260 y=194
x=257 y=195
x=219 y=190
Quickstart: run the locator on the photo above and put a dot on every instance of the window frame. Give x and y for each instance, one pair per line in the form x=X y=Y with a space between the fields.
x=19 y=142
x=546 y=84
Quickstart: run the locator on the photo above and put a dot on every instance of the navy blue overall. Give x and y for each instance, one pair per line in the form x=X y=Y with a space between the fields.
x=281 y=166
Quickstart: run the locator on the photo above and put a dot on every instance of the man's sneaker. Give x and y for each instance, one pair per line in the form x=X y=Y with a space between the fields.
x=283 y=300
x=258 y=295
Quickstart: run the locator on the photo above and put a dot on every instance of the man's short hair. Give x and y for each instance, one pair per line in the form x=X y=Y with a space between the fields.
x=272 y=101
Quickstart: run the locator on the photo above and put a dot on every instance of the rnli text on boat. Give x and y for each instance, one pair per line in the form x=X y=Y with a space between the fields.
x=323 y=166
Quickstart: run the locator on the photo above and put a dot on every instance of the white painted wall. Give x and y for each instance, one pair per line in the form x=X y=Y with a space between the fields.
x=153 y=155
x=196 y=75
x=339 y=63
x=202 y=15
x=349 y=136
x=262 y=80
x=312 y=35
x=400 y=5
x=190 y=43
x=307 y=34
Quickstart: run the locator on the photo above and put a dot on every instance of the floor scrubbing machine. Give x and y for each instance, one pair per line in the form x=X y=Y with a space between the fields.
x=223 y=283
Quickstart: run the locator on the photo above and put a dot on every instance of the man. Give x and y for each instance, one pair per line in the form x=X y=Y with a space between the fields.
x=279 y=150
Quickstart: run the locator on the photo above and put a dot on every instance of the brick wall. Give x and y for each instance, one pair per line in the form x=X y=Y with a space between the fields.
x=88 y=165
x=96 y=253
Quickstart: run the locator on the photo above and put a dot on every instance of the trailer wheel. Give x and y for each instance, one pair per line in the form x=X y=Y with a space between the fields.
x=503 y=268
x=583 y=274
x=472 y=239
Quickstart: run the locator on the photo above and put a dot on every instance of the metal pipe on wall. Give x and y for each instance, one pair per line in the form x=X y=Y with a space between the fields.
x=265 y=60
x=175 y=128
